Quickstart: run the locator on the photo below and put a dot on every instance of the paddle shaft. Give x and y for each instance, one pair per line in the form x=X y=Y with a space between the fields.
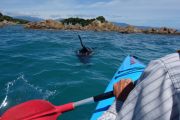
x=94 y=99
x=70 y=106
x=81 y=41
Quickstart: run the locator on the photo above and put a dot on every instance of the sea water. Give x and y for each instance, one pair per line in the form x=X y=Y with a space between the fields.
x=42 y=64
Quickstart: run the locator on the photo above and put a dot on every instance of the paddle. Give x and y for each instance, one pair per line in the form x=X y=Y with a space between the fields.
x=81 y=41
x=44 y=110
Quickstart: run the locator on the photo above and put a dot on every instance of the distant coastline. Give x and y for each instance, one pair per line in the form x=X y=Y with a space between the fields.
x=94 y=24
x=7 y=20
x=97 y=24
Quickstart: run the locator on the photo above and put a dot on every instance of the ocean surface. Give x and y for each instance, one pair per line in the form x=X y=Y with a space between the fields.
x=42 y=64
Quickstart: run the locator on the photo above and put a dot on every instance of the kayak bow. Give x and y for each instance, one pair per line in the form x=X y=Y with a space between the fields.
x=130 y=68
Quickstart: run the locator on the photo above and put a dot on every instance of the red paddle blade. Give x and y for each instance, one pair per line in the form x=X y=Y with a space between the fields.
x=36 y=110
x=29 y=110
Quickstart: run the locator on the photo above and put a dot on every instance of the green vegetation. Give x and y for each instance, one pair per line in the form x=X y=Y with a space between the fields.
x=81 y=21
x=8 y=18
x=75 y=21
x=101 y=18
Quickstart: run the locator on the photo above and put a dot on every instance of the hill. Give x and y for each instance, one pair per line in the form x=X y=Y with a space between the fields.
x=5 y=20
x=29 y=18
x=121 y=24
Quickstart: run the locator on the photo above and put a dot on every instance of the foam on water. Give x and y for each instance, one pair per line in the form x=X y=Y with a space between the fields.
x=13 y=88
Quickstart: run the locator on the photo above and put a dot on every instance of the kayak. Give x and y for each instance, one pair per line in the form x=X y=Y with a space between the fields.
x=131 y=68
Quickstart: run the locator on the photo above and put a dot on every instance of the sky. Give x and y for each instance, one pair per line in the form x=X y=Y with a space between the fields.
x=136 y=12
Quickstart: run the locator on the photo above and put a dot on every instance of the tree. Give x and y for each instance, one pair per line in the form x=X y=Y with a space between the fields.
x=101 y=18
x=1 y=14
x=75 y=21
x=1 y=17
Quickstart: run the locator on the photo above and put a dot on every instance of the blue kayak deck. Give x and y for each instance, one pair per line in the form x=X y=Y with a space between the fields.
x=130 y=68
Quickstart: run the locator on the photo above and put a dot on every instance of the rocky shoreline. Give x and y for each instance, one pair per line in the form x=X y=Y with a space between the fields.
x=7 y=20
x=97 y=25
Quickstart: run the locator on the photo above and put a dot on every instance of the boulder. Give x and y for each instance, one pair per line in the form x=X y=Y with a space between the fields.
x=99 y=26
x=130 y=29
x=96 y=23
x=47 y=24
x=150 y=30
x=1 y=24
x=53 y=24
x=165 y=30
x=5 y=22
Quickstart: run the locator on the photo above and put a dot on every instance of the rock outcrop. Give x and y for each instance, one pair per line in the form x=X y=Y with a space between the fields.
x=130 y=29
x=1 y=24
x=5 y=22
x=47 y=24
x=163 y=30
x=97 y=25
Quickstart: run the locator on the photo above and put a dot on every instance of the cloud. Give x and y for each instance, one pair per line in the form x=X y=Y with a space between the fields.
x=138 y=12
